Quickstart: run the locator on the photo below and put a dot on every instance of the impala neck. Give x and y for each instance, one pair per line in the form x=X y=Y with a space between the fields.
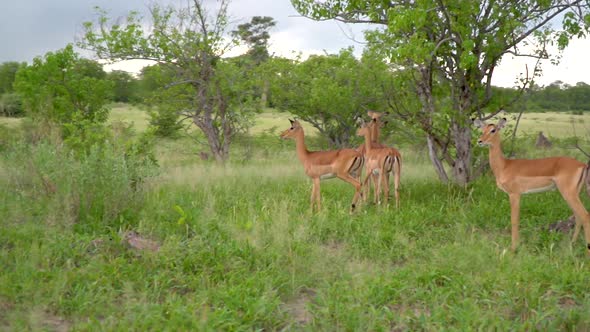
x=497 y=159
x=368 y=141
x=300 y=146
x=375 y=132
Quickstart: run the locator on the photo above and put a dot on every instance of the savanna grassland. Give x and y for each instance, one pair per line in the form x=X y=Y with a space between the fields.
x=238 y=248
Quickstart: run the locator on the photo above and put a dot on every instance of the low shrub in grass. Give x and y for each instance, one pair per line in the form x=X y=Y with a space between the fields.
x=11 y=105
x=88 y=192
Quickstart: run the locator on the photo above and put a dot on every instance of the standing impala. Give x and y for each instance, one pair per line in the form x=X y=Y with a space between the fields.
x=326 y=164
x=374 y=131
x=379 y=163
x=522 y=176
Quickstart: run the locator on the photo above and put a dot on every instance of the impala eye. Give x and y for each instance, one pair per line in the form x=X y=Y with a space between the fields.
x=493 y=131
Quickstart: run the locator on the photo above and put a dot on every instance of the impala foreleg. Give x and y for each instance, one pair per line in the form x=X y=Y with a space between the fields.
x=315 y=194
x=357 y=188
x=514 y=218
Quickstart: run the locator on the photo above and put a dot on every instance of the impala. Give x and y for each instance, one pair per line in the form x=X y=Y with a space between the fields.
x=320 y=165
x=375 y=116
x=374 y=138
x=375 y=126
x=379 y=163
x=522 y=176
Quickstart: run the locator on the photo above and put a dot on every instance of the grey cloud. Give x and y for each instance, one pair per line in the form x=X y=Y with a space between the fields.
x=30 y=28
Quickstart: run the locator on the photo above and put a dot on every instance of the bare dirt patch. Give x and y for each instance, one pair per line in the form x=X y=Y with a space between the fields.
x=563 y=226
x=567 y=303
x=57 y=324
x=404 y=310
x=138 y=242
x=298 y=307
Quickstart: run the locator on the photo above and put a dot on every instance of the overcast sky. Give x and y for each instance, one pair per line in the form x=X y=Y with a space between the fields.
x=30 y=28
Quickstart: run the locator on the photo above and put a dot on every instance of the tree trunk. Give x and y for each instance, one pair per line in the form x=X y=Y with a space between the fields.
x=264 y=94
x=438 y=166
x=218 y=150
x=462 y=165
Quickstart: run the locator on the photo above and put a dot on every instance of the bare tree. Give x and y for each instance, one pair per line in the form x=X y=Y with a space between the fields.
x=205 y=88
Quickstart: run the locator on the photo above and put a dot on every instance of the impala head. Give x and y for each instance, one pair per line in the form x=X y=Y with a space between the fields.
x=490 y=131
x=292 y=131
x=363 y=130
x=376 y=115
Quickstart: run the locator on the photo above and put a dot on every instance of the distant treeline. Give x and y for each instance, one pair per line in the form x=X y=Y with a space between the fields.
x=128 y=88
x=556 y=97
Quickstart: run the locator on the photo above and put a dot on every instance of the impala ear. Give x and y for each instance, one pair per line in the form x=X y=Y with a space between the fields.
x=501 y=123
x=358 y=119
x=374 y=115
x=478 y=123
x=291 y=121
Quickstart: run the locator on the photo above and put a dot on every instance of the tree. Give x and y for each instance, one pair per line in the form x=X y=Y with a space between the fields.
x=330 y=92
x=124 y=86
x=205 y=88
x=63 y=88
x=255 y=34
x=10 y=102
x=7 y=75
x=451 y=49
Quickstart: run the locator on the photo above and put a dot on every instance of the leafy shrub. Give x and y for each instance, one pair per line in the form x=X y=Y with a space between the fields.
x=164 y=120
x=81 y=135
x=62 y=87
x=91 y=192
x=35 y=131
x=11 y=105
x=7 y=136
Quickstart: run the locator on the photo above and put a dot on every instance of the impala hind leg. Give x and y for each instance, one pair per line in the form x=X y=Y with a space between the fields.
x=397 y=169
x=375 y=179
x=581 y=214
x=514 y=219
x=384 y=179
x=366 y=185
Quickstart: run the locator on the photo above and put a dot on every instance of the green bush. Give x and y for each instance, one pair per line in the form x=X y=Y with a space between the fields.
x=7 y=136
x=81 y=135
x=90 y=192
x=164 y=121
x=11 y=105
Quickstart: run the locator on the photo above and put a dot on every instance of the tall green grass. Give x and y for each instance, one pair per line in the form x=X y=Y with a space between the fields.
x=240 y=250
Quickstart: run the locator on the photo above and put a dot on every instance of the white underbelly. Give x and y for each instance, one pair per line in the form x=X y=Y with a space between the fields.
x=327 y=176
x=540 y=189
